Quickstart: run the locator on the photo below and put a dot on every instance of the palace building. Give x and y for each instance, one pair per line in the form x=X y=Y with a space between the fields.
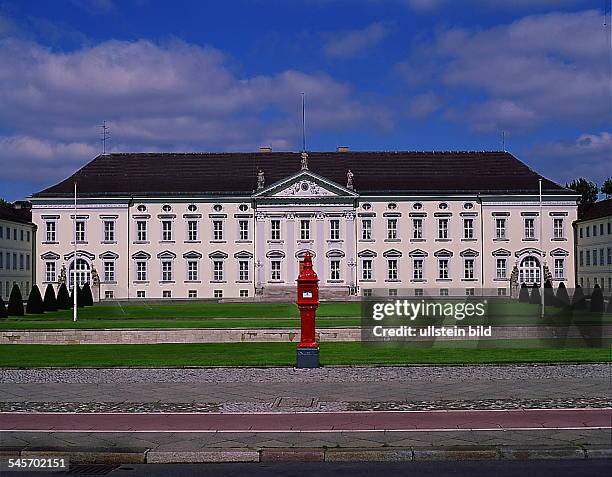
x=235 y=225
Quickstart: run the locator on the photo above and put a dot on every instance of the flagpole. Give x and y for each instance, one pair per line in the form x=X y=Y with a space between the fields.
x=74 y=264
x=542 y=252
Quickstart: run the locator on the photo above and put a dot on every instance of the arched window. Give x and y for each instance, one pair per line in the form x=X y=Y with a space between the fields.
x=529 y=271
x=83 y=272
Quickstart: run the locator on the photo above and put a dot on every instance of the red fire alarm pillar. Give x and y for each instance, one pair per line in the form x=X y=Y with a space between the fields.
x=308 y=302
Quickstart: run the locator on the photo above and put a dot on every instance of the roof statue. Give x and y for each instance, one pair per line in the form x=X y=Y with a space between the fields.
x=261 y=180
x=304 y=161
x=349 y=180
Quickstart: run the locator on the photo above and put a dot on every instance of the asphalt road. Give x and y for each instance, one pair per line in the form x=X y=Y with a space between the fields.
x=542 y=468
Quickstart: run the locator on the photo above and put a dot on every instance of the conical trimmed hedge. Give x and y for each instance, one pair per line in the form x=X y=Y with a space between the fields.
x=609 y=308
x=535 y=298
x=35 y=304
x=3 y=313
x=524 y=293
x=50 y=302
x=578 y=300
x=549 y=294
x=15 y=306
x=562 y=295
x=87 y=296
x=597 y=302
x=63 y=298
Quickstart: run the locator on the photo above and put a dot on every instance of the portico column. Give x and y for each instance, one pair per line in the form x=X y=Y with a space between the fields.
x=350 y=241
x=320 y=247
x=260 y=248
x=290 y=248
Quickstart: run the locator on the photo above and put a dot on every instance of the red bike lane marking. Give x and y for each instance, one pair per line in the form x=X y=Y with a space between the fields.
x=359 y=421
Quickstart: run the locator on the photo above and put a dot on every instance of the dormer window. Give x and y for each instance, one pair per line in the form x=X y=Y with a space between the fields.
x=166 y=208
x=443 y=206
x=192 y=207
x=417 y=206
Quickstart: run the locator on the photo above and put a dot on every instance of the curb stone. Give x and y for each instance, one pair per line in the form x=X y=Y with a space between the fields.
x=598 y=453
x=456 y=453
x=90 y=456
x=543 y=453
x=204 y=456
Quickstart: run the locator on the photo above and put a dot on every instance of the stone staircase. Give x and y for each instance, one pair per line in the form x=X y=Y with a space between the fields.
x=288 y=293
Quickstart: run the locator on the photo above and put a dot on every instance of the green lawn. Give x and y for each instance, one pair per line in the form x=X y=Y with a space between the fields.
x=252 y=315
x=283 y=354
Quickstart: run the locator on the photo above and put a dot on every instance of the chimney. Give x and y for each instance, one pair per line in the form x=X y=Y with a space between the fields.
x=265 y=149
x=342 y=149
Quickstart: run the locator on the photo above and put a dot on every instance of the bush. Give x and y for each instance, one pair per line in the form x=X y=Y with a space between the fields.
x=578 y=300
x=79 y=297
x=549 y=294
x=535 y=298
x=87 y=296
x=15 y=306
x=35 y=304
x=524 y=294
x=63 y=298
x=50 y=302
x=3 y=313
x=609 y=308
x=562 y=295
x=597 y=302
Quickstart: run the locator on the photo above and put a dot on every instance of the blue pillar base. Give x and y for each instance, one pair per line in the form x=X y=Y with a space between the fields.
x=307 y=358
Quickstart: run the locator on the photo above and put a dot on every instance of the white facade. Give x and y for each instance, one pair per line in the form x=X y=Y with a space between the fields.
x=594 y=253
x=250 y=246
x=16 y=250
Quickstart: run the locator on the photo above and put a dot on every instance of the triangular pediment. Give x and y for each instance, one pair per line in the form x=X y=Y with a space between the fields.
x=305 y=184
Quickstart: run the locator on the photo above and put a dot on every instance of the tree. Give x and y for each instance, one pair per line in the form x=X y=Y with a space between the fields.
x=63 y=298
x=5 y=203
x=606 y=187
x=535 y=298
x=15 y=306
x=609 y=308
x=50 y=301
x=587 y=189
x=562 y=295
x=524 y=294
x=35 y=304
x=3 y=313
x=578 y=300
x=87 y=296
x=597 y=302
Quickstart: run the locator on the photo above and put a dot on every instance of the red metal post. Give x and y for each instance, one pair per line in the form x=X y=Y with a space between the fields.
x=308 y=302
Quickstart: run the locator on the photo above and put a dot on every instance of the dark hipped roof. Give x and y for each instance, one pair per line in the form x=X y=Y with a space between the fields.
x=597 y=210
x=22 y=216
x=236 y=173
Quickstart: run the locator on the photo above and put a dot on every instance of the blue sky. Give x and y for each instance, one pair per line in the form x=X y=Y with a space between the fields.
x=378 y=75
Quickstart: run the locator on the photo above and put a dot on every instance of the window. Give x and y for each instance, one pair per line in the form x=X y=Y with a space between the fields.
x=109 y=294
x=588 y=231
x=443 y=291
x=501 y=291
x=468 y=269
x=141 y=271
x=1 y=232
x=581 y=260
x=275 y=267
x=392 y=291
x=417 y=269
x=305 y=229
x=218 y=293
x=366 y=269
x=275 y=229
x=334 y=229
x=244 y=293
x=8 y=260
x=21 y=235
x=443 y=268
x=192 y=270
x=21 y=261
x=243 y=226
x=80 y=231
x=500 y=228
x=588 y=258
x=217 y=230
x=166 y=230
x=529 y=228
x=391 y=229
x=468 y=228
x=166 y=294
x=51 y=229
x=367 y=292
x=557 y=228
x=392 y=269
x=501 y=268
x=243 y=270
x=166 y=266
x=109 y=230
x=443 y=229
x=581 y=232
x=218 y=270
x=1 y=260
x=83 y=272
x=14 y=261
x=601 y=256
x=418 y=292
x=192 y=293
x=109 y=271
x=417 y=228
x=594 y=230
x=529 y=271
x=469 y=292
x=609 y=259
x=366 y=229
x=14 y=234
x=192 y=230
x=27 y=235
x=141 y=230
x=140 y=294
x=334 y=269
x=594 y=257
x=49 y=271
x=559 y=268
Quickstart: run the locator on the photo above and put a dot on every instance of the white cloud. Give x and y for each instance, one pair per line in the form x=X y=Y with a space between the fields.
x=350 y=43
x=431 y=6
x=424 y=104
x=537 y=69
